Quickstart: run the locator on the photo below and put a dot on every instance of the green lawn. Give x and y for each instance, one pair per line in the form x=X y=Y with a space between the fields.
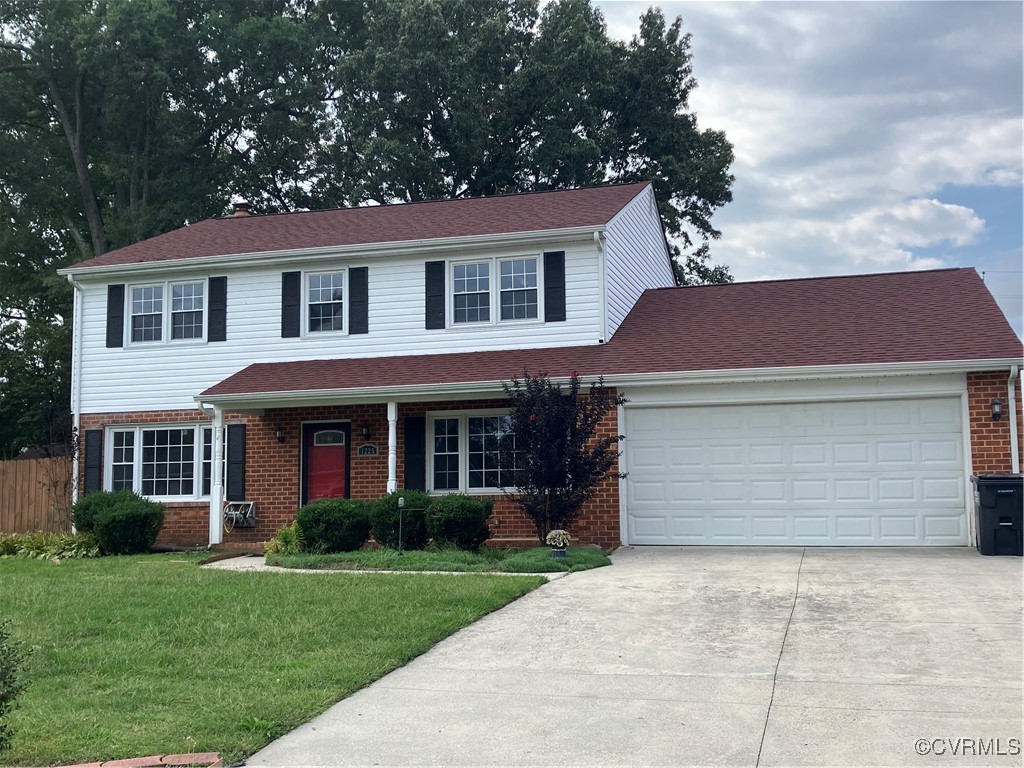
x=151 y=654
x=537 y=560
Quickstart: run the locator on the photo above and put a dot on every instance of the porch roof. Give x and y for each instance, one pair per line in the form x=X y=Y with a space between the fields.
x=945 y=319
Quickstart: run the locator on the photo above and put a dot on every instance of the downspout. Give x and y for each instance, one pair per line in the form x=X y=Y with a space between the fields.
x=1011 y=396
x=76 y=383
x=603 y=287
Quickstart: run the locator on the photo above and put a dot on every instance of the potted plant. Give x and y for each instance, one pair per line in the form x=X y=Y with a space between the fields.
x=558 y=540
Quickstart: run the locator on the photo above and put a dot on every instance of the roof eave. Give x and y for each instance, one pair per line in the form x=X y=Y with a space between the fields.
x=397 y=247
x=842 y=371
x=243 y=401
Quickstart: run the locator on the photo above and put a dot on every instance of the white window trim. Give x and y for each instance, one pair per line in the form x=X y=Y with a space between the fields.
x=166 y=312
x=344 y=303
x=463 y=417
x=494 y=291
x=137 y=429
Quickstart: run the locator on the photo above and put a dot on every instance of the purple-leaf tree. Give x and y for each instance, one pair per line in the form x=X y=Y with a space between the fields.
x=552 y=457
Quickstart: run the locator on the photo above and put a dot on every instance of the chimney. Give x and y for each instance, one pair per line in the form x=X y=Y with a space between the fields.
x=241 y=209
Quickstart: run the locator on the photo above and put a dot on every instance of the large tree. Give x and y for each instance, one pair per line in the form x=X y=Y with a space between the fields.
x=122 y=119
x=445 y=98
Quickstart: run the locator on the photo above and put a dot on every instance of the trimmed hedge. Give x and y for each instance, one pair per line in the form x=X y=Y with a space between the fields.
x=84 y=511
x=460 y=521
x=384 y=516
x=123 y=522
x=333 y=525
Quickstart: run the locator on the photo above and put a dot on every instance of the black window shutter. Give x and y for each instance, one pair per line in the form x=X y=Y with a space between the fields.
x=217 y=320
x=435 y=295
x=554 y=286
x=115 y=315
x=93 y=459
x=235 y=481
x=291 y=311
x=358 y=300
x=415 y=453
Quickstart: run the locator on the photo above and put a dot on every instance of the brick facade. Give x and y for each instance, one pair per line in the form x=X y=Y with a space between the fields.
x=990 y=440
x=273 y=472
x=273 y=468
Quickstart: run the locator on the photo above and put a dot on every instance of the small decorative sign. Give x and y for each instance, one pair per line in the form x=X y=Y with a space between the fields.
x=367 y=450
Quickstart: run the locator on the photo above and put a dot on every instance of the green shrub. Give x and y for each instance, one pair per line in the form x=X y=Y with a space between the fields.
x=84 y=511
x=333 y=525
x=128 y=525
x=287 y=541
x=42 y=546
x=459 y=520
x=12 y=656
x=384 y=516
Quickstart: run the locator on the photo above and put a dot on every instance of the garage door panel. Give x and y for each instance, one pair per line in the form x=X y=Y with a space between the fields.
x=862 y=473
x=856 y=453
x=895 y=452
x=945 y=452
x=768 y=491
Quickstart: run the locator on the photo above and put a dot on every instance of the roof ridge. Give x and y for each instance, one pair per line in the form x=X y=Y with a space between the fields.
x=820 y=277
x=406 y=204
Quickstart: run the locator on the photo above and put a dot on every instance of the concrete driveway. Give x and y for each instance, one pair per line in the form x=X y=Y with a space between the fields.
x=711 y=656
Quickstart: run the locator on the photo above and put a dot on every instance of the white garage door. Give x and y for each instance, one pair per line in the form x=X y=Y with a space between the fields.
x=865 y=473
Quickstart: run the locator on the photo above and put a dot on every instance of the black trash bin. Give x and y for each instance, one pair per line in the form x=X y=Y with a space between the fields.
x=999 y=503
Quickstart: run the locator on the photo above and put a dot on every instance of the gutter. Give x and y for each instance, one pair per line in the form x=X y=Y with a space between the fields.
x=394 y=248
x=1011 y=396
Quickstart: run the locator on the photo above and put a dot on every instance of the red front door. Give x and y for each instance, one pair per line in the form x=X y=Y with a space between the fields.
x=326 y=462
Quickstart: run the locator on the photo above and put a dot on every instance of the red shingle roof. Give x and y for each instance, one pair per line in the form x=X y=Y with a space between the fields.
x=940 y=315
x=500 y=214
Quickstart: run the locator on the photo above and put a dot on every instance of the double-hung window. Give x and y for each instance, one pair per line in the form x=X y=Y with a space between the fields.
x=472 y=292
x=326 y=301
x=147 y=313
x=477 y=298
x=150 y=319
x=161 y=461
x=518 y=289
x=464 y=452
x=187 y=311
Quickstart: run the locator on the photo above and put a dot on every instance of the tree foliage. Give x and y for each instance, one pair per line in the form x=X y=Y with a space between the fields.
x=551 y=453
x=123 y=119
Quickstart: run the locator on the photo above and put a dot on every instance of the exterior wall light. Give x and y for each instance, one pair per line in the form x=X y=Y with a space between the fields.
x=279 y=434
x=366 y=432
x=997 y=409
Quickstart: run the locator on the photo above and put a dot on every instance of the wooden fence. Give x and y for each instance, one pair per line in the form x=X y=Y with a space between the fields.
x=35 y=495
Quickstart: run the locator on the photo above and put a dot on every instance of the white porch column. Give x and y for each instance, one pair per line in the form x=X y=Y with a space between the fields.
x=392 y=447
x=217 y=489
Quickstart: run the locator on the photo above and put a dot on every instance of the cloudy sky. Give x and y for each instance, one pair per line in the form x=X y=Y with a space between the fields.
x=869 y=137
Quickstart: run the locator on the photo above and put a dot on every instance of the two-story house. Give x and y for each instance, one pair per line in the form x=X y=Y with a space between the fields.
x=351 y=352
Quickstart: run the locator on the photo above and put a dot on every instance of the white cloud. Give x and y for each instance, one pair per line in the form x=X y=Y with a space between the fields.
x=848 y=120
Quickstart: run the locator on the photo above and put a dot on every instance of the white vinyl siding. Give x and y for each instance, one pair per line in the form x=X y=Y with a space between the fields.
x=636 y=257
x=169 y=376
